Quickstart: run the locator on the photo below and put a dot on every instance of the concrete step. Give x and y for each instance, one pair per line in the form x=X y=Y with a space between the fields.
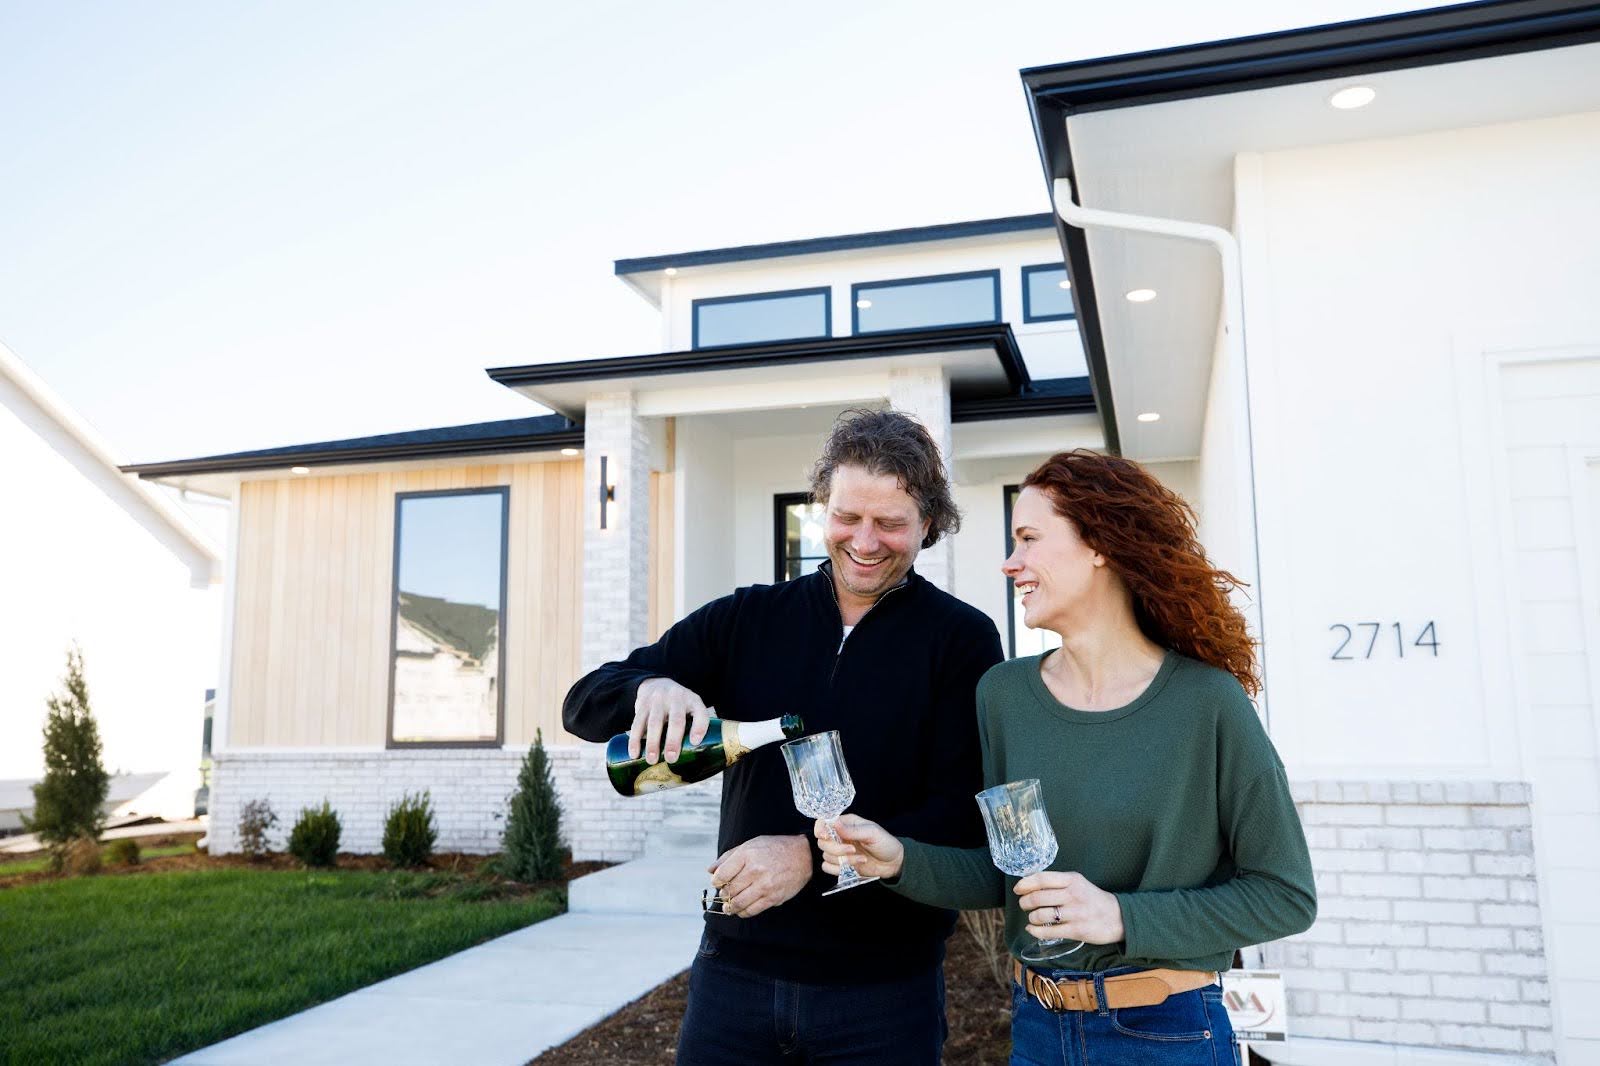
x=676 y=843
x=653 y=885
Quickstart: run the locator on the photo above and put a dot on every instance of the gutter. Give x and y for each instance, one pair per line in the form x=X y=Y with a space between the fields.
x=1227 y=247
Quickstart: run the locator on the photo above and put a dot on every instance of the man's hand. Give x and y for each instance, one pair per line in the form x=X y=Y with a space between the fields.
x=761 y=873
x=1066 y=905
x=664 y=705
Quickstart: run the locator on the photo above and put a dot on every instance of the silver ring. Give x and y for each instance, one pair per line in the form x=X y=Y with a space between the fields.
x=1058 y=915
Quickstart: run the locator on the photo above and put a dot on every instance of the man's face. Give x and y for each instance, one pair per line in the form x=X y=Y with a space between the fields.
x=874 y=532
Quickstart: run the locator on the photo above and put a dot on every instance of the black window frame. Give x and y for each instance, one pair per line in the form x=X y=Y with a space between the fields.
x=895 y=283
x=1027 y=303
x=825 y=291
x=1007 y=491
x=504 y=492
x=781 y=502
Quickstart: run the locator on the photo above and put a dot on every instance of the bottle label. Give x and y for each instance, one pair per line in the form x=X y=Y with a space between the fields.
x=732 y=748
x=656 y=778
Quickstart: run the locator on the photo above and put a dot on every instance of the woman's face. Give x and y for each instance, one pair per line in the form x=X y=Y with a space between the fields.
x=1054 y=570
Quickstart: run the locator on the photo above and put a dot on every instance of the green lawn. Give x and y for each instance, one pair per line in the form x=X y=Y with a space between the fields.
x=138 y=969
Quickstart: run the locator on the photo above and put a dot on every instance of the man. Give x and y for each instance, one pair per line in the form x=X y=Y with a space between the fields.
x=864 y=646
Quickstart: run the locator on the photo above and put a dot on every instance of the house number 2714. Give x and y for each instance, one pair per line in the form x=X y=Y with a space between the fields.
x=1350 y=642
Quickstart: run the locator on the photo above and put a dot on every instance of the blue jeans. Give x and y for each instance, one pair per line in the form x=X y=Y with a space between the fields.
x=741 y=1018
x=1188 y=1029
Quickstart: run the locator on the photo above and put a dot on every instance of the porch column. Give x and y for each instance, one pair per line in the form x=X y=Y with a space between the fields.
x=924 y=393
x=616 y=559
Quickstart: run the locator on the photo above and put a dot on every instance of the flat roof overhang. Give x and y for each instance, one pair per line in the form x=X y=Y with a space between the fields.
x=1157 y=133
x=982 y=362
x=539 y=438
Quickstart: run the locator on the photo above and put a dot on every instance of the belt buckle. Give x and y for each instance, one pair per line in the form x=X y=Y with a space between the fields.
x=1040 y=983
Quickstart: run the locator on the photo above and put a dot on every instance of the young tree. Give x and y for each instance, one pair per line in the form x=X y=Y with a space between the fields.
x=531 y=844
x=68 y=803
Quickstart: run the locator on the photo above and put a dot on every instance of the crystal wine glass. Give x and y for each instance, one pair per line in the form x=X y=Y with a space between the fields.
x=1022 y=843
x=823 y=789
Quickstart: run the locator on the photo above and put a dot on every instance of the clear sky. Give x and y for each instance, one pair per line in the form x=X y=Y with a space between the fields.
x=228 y=226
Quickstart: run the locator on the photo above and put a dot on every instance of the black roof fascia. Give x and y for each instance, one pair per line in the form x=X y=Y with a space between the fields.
x=996 y=336
x=843 y=243
x=1412 y=39
x=542 y=433
x=1055 y=396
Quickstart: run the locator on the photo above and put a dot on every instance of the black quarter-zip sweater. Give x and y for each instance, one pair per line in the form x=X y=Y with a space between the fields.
x=900 y=692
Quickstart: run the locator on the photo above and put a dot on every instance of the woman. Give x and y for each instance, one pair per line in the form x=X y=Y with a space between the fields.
x=1179 y=842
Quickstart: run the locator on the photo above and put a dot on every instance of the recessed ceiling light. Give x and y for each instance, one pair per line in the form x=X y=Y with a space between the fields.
x=863 y=303
x=1141 y=296
x=1352 y=97
x=672 y=272
x=299 y=470
x=569 y=451
x=1150 y=416
x=1064 y=283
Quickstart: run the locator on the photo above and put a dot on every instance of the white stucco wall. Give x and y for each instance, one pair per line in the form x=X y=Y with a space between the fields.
x=76 y=566
x=1422 y=341
x=703 y=512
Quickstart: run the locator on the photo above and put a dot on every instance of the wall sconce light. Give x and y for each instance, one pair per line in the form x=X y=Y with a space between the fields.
x=608 y=491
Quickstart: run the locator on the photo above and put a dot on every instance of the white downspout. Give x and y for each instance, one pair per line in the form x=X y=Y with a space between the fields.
x=1227 y=246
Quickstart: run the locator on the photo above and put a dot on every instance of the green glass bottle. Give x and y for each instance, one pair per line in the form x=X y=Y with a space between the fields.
x=724 y=744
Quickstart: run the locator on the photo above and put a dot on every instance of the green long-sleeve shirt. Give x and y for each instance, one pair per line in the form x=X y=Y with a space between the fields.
x=1177 y=803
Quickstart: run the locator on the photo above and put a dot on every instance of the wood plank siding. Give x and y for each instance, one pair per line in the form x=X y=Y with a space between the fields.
x=311 y=627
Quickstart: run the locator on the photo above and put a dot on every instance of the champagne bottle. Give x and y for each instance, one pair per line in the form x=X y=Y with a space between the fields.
x=724 y=744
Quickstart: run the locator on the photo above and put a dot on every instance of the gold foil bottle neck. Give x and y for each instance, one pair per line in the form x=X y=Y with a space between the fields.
x=732 y=749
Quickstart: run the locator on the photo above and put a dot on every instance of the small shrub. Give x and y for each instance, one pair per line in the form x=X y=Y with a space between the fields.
x=68 y=803
x=81 y=856
x=531 y=844
x=124 y=852
x=314 y=840
x=255 y=818
x=988 y=931
x=409 y=831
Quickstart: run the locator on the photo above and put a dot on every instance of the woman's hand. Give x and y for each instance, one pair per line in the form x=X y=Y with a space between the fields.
x=1067 y=906
x=869 y=847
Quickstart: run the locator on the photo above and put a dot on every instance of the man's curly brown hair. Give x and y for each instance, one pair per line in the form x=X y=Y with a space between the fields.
x=1147 y=533
x=891 y=442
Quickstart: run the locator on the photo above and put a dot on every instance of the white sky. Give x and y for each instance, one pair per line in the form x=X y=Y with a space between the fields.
x=228 y=226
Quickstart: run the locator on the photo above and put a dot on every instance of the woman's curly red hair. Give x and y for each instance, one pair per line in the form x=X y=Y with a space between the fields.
x=1147 y=532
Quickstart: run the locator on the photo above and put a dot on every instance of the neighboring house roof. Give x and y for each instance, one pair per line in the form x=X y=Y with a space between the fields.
x=26 y=395
x=1076 y=140
x=541 y=433
x=842 y=243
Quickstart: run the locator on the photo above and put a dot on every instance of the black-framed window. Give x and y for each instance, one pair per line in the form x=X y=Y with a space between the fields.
x=790 y=315
x=797 y=544
x=968 y=299
x=1020 y=640
x=1046 y=294
x=447 y=618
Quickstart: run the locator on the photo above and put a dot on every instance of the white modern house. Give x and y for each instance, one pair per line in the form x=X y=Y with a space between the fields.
x=1353 y=271
x=1335 y=285
x=91 y=555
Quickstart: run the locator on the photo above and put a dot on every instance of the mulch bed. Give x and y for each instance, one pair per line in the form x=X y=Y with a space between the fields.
x=442 y=862
x=645 y=1032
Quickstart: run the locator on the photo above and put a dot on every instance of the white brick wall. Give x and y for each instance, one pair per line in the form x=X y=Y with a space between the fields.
x=470 y=791
x=924 y=393
x=1428 y=923
x=616 y=560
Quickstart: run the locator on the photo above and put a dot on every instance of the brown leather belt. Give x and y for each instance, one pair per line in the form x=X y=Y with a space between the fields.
x=1143 y=989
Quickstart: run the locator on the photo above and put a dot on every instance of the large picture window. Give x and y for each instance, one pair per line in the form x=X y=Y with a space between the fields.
x=447 y=674
x=798 y=314
x=798 y=546
x=1046 y=294
x=1019 y=638
x=921 y=303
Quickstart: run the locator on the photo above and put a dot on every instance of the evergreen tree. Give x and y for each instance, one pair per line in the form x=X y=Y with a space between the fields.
x=68 y=802
x=531 y=844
